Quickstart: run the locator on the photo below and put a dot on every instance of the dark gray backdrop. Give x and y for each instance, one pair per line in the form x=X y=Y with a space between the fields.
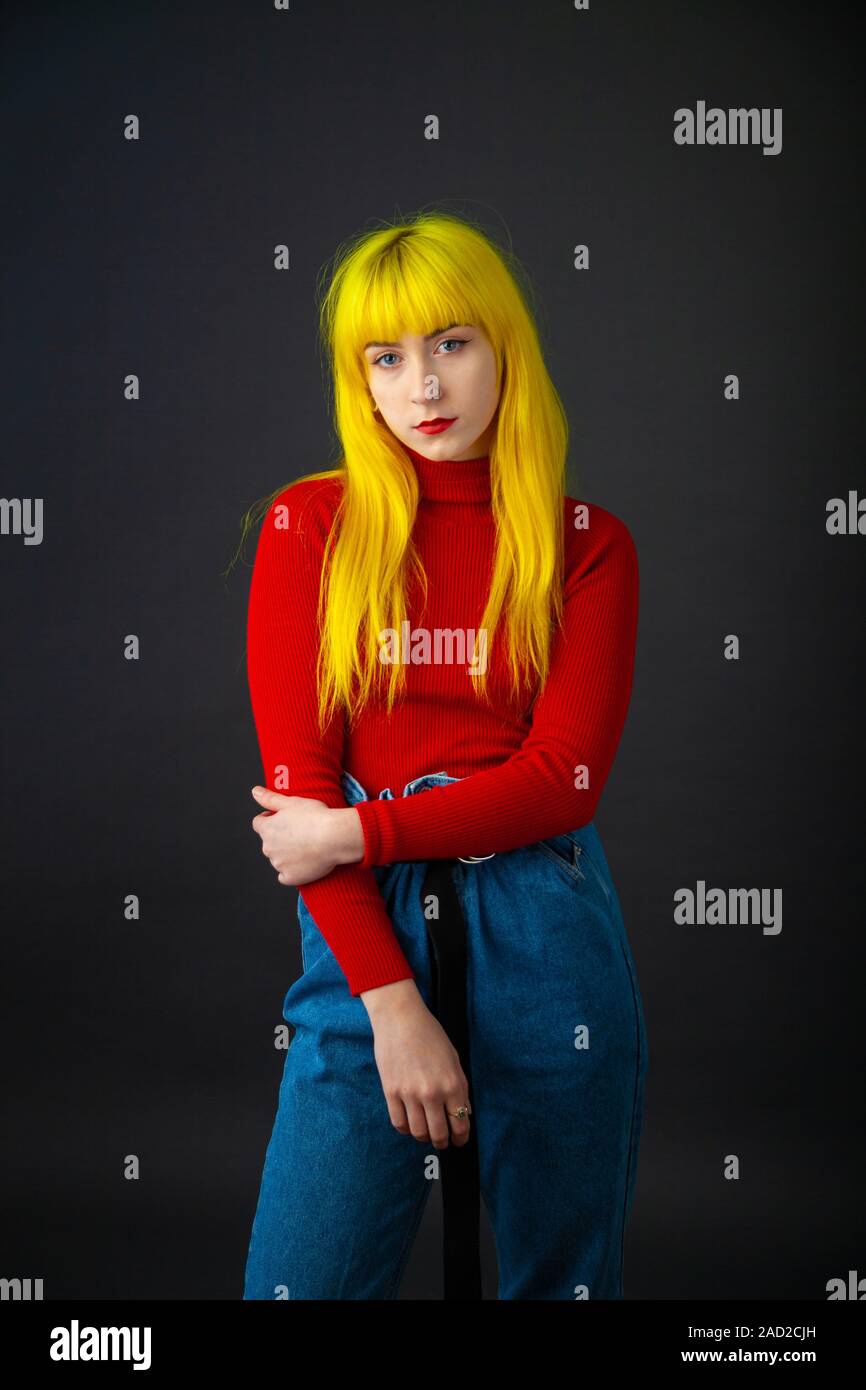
x=155 y=257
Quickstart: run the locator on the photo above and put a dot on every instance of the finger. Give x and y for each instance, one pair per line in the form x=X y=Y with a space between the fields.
x=460 y=1127
x=265 y=797
x=399 y=1118
x=417 y=1121
x=437 y=1125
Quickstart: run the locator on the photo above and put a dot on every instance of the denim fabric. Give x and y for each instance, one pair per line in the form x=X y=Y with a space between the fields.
x=558 y=1060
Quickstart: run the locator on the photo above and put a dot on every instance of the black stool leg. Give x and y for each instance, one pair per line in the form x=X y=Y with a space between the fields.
x=461 y=1182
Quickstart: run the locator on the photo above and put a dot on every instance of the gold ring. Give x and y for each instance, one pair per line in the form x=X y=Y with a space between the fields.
x=460 y=1114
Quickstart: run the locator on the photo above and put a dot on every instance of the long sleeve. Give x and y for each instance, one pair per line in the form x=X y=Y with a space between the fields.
x=282 y=647
x=577 y=721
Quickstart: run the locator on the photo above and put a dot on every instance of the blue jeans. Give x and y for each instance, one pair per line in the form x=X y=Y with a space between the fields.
x=559 y=1060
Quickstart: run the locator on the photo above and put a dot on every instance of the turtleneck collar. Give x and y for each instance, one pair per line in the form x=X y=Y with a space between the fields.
x=443 y=480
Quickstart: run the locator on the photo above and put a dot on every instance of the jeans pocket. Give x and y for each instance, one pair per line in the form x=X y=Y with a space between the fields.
x=565 y=851
x=575 y=860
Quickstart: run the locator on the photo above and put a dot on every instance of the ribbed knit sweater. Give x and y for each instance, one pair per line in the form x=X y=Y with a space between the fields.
x=529 y=770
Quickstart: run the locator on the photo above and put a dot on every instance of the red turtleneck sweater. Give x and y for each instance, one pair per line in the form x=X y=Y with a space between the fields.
x=519 y=765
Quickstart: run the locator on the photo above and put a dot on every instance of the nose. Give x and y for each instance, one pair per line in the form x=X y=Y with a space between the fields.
x=428 y=388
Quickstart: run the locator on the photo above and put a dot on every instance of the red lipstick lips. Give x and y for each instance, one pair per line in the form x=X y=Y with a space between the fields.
x=435 y=426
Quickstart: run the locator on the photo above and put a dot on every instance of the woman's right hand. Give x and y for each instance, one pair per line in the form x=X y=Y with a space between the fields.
x=418 y=1066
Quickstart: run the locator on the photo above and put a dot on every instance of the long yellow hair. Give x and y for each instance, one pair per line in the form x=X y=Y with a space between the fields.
x=434 y=268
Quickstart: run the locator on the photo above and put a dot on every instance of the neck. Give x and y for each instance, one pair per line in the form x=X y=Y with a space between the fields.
x=444 y=480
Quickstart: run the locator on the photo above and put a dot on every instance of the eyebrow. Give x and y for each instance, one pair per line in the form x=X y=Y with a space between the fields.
x=427 y=336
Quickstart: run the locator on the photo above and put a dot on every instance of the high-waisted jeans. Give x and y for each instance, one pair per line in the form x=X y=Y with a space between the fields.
x=558 y=1065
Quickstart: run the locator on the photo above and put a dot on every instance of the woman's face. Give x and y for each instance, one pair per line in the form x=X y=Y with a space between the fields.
x=449 y=375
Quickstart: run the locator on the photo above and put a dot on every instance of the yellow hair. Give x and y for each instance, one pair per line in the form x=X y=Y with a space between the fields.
x=433 y=269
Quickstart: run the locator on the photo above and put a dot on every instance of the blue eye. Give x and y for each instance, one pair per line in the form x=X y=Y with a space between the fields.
x=380 y=361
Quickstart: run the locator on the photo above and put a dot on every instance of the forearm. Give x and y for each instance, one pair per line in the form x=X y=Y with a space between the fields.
x=423 y=834
x=524 y=799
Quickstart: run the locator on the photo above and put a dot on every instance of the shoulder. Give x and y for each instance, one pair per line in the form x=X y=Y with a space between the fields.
x=304 y=510
x=595 y=537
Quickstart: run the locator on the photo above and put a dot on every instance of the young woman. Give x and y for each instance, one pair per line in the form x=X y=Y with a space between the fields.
x=440 y=657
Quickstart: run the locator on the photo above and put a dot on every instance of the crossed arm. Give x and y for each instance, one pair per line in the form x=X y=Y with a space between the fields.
x=552 y=783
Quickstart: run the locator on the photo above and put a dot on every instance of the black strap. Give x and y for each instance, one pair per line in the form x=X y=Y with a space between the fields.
x=458 y=1166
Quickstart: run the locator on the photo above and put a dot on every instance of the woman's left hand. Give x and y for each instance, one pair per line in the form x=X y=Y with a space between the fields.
x=298 y=836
